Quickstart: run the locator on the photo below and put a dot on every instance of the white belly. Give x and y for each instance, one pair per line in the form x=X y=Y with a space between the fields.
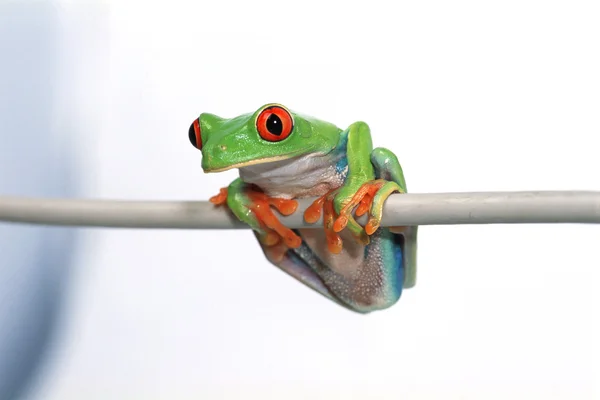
x=304 y=176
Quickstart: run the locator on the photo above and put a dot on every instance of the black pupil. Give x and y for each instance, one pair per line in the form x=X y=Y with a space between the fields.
x=274 y=125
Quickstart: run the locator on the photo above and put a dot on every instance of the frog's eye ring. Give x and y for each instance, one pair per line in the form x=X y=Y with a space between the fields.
x=274 y=124
x=195 y=135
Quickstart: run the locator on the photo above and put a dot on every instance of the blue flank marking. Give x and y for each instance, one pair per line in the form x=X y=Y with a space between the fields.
x=340 y=166
x=398 y=256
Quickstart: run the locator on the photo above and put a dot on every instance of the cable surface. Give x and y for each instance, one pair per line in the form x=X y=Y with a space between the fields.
x=399 y=210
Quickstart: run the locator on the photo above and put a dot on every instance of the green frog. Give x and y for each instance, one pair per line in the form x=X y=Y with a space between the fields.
x=283 y=156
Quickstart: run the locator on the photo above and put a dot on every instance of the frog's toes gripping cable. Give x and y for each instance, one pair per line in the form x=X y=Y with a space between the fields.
x=370 y=197
x=325 y=204
x=274 y=232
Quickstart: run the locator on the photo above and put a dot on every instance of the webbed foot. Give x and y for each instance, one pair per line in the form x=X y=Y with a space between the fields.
x=326 y=205
x=370 y=197
x=255 y=208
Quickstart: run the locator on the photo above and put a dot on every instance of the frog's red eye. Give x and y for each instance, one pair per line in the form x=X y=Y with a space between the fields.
x=194 y=134
x=274 y=124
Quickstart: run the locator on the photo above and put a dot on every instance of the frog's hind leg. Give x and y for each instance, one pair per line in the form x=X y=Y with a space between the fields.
x=387 y=167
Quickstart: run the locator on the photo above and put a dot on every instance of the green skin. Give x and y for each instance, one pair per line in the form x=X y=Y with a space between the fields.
x=236 y=143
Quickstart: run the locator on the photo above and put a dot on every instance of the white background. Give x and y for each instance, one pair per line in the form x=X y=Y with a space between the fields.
x=470 y=95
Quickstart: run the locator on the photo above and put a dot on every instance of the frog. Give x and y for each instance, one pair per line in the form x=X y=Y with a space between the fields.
x=283 y=156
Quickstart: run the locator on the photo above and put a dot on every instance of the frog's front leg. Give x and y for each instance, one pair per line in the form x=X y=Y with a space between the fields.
x=253 y=207
x=371 y=197
x=362 y=190
x=374 y=175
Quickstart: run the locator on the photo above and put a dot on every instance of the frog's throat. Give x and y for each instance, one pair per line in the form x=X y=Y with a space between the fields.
x=249 y=163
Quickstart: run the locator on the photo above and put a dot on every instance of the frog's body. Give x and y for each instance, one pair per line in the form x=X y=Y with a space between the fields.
x=363 y=269
x=304 y=176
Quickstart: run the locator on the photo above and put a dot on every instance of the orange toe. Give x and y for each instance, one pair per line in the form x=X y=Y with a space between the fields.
x=284 y=206
x=365 y=205
x=276 y=252
x=334 y=241
x=313 y=212
x=271 y=238
x=340 y=223
x=371 y=226
x=220 y=198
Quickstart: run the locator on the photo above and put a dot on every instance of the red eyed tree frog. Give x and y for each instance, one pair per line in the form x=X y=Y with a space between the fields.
x=282 y=156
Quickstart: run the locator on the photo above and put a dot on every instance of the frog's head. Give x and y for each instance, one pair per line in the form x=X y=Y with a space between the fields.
x=272 y=133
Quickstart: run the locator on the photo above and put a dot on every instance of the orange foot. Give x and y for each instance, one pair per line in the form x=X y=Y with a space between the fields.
x=362 y=200
x=369 y=197
x=313 y=213
x=220 y=198
x=274 y=234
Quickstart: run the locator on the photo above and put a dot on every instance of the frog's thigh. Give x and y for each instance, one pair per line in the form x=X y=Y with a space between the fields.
x=299 y=268
x=388 y=167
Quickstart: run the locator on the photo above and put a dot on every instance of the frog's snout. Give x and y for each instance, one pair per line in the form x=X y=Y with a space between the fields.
x=195 y=134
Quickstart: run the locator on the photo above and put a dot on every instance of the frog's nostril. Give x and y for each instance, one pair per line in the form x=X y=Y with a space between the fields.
x=194 y=134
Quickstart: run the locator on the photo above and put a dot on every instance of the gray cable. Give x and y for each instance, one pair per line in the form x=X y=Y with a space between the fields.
x=400 y=210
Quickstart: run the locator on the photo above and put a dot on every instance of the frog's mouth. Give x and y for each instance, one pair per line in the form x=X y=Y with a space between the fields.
x=244 y=164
